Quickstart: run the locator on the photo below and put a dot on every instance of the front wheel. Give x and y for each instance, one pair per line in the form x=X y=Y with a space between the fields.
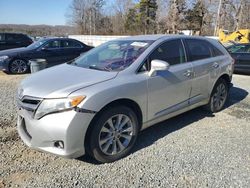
x=218 y=97
x=18 y=66
x=113 y=135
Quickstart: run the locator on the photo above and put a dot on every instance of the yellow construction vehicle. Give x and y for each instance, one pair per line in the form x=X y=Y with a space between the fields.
x=240 y=36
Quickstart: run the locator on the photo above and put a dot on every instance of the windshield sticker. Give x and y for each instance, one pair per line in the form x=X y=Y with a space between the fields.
x=139 y=44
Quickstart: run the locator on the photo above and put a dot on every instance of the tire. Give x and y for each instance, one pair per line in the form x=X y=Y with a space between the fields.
x=18 y=66
x=219 y=96
x=105 y=142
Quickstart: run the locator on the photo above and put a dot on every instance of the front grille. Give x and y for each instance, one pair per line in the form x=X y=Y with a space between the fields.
x=29 y=103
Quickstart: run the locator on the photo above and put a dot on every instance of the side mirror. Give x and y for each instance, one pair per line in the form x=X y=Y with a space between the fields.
x=158 y=65
x=44 y=49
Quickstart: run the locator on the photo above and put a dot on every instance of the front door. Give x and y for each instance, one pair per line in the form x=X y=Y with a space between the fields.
x=51 y=52
x=169 y=91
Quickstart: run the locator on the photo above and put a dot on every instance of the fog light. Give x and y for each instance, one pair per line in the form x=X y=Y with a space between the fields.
x=59 y=144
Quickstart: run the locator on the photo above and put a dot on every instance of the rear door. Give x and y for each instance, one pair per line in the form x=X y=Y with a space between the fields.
x=169 y=90
x=70 y=49
x=206 y=67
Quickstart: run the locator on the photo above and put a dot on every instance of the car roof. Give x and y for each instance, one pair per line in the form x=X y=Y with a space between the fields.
x=58 y=38
x=161 y=36
x=12 y=33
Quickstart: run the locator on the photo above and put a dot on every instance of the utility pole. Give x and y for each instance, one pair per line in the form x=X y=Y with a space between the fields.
x=217 y=22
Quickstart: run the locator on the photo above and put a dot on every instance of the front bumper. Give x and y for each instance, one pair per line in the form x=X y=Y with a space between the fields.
x=68 y=127
x=4 y=65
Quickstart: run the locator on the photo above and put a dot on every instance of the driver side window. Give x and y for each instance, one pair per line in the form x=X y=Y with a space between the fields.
x=170 y=51
x=52 y=44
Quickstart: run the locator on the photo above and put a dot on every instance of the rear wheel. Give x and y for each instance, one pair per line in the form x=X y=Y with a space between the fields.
x=18 y=66
x=219 y=96
x=113 y=135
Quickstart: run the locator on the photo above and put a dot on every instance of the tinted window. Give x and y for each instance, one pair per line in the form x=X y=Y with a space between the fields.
x=247 y=49
x=52 y=44
x=171 y=52
x=237 y=49
x=25 y=37
x=70 y=44
x=10 y=37
x=216 y=52
x=1 y=36
x=198 y=49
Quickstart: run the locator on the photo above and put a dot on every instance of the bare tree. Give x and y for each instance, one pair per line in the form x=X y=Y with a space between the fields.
x=85 y=15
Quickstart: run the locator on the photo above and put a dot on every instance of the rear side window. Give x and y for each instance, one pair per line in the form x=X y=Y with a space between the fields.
x=25 y=37
x=11 y=37
x=215 y=51
x=198 y=49
x=170 y=51
x=70 y=44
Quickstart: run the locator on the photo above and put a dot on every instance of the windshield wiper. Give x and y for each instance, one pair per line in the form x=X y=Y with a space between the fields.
x=96 y=68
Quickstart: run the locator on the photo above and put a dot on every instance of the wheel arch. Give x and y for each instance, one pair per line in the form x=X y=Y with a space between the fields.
x=225 y=77
x=118 y=102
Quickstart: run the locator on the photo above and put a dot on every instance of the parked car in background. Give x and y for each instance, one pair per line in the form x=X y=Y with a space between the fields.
x=14 y=40
x=241 y=55
x=97 y=104
x=54 y=50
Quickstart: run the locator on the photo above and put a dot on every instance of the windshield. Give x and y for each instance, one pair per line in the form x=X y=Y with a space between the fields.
x=236 y=48
x=113 y=55
x=37 y=44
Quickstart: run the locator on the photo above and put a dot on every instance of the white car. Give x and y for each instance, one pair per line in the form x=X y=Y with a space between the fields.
x=98 y=103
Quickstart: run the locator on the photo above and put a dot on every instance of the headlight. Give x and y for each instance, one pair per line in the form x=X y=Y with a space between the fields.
x=49 y=106
x=2 y=58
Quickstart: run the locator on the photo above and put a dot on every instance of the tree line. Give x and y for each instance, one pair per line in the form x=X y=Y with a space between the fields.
x=39 y=30
x=130 y=17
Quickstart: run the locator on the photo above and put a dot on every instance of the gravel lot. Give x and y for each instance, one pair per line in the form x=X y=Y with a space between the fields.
x=195 y=149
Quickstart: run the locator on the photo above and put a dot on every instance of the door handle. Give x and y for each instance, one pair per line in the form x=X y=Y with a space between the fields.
x=188 y=73
x=216 y=65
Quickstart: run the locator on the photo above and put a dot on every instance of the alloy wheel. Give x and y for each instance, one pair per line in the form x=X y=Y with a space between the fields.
x=219 y=97
x=116 y=134
x=18 y=66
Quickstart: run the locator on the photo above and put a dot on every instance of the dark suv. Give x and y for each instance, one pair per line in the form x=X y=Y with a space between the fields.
x=14 y=40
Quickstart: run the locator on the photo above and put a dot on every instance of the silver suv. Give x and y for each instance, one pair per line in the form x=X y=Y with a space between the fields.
x=99 y=102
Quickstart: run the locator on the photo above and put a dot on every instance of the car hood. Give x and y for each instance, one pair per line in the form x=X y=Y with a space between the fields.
x=14 y=51
x=61 y=80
